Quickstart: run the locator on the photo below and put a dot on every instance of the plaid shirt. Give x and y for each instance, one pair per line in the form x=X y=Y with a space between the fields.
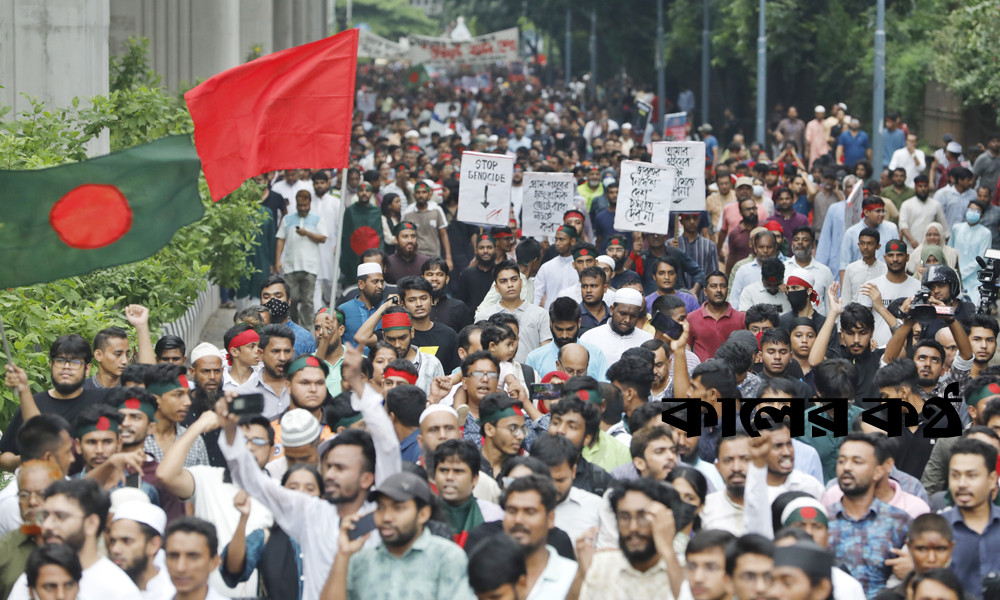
x=864 y=545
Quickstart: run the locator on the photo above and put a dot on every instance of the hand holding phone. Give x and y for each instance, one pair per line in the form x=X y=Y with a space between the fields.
x=362 y=526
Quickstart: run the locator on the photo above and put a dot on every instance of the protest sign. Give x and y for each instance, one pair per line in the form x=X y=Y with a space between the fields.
x=371 y=45
x=852 y=212
x=484 y=190
x=675 y=126
x=547 y=196
x=689 y=160
x=365 y=102
x=642 y=111
x=496 y=47
x=644 y=197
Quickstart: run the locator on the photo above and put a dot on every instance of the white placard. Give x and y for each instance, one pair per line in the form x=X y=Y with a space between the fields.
x=484 y=190
x=547 y=196
x=489 y=49
x=689 y=160
x=644 y=197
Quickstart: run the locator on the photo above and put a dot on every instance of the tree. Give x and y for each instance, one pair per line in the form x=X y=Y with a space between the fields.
x=966 y=52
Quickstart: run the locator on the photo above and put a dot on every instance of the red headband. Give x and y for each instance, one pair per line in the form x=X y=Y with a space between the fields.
x=502 y=234
x=570 y=213
x=396 y=321
x=874 y=202
x=813 y=296
x=247 y=337
x=390 y=372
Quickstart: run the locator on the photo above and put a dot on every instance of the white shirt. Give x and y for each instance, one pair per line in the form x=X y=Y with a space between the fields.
x=755 y=293
x=101 y=581
x=913 y=164
x=288 y=191
x=10 y=508
x=556 y=578
x=573 y=292
x=721 y=512
x=758 y=496
x=744 y=276
x=579 y=512
x=890 y=291
x=308 y=519
x=553 y=276
x=823 y=276
x=160 y=587
x=613 y=344
x=856 y=274
x=228 y=383
x=915 y=215
x=328 y=209
x=300 y=252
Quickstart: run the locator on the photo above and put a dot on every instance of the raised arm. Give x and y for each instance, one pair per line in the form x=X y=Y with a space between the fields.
x=17 y=381
x=756 y=508
x=365 y=335
x=818 y=352
x=138 y=317
x=388 y=460
x=171 y=472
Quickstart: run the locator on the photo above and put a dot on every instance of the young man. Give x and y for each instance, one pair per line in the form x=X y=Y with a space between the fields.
x=879 y=293
x=973 y=484
x=529 y=512
x=409 y=559
x=768 y=289
x=594 y=310
x=930 y=542
x=785 y=213
x=565 y=324
x=749 y=563
x=801 y=572
x=298 y=256
x=76 y=512
x=692 y=243
x=53 y=571
x=619 y=333
x=397 y=331
x=191 y=548
x=405 y=403
x=557 y=273
x=431 y=337
x=579 y=422
x=604 y=221
x=243 y=356
x=705 y=562
x=329 y=333
x=445 y=309
x=803 y=297
x=406 y=261
x=776 y=354
x=645 y=564
x=475 y=281
x=360 y=230
x=456 y=473
x=169 y=385
x=918 y=212
x=502 y=423
x=748 y=216
x=873 y=209
x=135 y=536
x=666 y=272
x=865 y=269
x=954 y=200
x=432 y=226
x=618 y=248
x=111 y=352
x=584 y=258
x=276 y=295
x=856 y=327
x=497 y=569
x=69 y=356
x=900 y=190
x=864 y=530
x=370 y=287
x=533 y=321
x=711 y=324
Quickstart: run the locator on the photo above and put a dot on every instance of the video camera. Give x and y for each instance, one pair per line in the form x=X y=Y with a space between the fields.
x=989 y=287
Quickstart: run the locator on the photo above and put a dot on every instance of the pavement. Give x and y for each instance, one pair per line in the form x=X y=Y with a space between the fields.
x=218 y=323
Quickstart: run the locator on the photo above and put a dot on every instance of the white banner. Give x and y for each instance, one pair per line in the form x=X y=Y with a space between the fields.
x=547 y=196
x=484 y=190
x=689 y=160
x=499 y=46
x=644 y=197
x=371 y=45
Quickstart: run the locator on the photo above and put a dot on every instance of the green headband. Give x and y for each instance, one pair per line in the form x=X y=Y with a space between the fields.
x=493 y=417
x=162 y=387
x=146 y=408
x=806 y=514
x=986 y=391
x=348 y=421
x=302 y=362
x=590 y=396
x=102 y=424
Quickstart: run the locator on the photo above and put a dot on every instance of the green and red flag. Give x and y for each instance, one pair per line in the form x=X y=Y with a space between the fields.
x=110 y=210
x=417 y=77
x=287 y=110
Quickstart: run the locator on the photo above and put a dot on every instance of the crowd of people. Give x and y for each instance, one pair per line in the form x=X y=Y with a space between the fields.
x=469 y=412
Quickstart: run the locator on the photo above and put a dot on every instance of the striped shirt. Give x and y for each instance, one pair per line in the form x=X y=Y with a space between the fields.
x=703 y=251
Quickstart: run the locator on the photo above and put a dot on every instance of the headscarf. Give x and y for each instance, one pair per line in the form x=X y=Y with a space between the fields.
x=942 y=231
x=932 y=250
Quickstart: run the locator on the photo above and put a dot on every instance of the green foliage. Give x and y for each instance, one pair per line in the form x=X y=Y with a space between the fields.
x=256 y=51
x=132 y=113
x=390 y=19
x=966 y=52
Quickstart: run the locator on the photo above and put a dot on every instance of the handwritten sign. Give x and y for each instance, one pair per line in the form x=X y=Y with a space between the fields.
x=853 y=212
x=490 y=49
x=644 y=197
x=689 y=160
x=675 y=126
x=371 y=45
x=547 y=196
x=484 y=192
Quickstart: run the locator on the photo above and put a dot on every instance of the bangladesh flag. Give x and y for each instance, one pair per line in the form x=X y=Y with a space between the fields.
x=111 y=210
x=417 y=77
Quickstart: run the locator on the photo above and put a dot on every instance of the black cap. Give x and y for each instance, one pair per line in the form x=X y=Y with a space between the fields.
x=402 y=487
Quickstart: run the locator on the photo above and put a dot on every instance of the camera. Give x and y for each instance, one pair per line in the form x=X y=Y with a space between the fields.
x=988 y=277
x=921 y=309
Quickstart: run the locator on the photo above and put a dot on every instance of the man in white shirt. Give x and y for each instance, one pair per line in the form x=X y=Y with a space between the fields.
x=192 y=552
x=558 y=272
x=291 y=184
x=918 y=212
x=861 y=271
x=532 y=321
x=909 y=158
x=327 y=206
x=873 y=209
x=894 y=284
x=135 y=536
x=724 y=508
x=803 y=242
x=529 y=505
x=619 y=333
x=76 y=511
x=299 y=237
x=767 y=290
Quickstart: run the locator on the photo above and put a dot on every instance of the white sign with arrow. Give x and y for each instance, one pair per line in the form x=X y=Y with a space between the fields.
x=484 y=190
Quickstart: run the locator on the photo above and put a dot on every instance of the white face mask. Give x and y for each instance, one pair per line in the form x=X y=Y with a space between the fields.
x=758 y=191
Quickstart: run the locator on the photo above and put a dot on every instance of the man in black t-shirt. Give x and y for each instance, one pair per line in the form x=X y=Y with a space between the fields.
x=445 y=310
x=474 y=283
x=432 y=338
x=69 y=356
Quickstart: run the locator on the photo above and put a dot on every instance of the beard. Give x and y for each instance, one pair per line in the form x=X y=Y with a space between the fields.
x=620 y=262
x=402 y=536
x=927 y=382
x=66 y=389
x=638 y=556
x=135 y=569
x=202 y=399
x=803 y=254
x=622 y=332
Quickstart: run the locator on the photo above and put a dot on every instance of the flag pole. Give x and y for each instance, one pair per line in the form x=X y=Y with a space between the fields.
x=337 y=242
x=6 y=346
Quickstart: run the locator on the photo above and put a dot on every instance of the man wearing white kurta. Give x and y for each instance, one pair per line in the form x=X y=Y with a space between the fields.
x=619 y=333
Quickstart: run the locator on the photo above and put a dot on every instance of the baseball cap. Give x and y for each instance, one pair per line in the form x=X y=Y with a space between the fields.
x=744 y=181
x=402 y=487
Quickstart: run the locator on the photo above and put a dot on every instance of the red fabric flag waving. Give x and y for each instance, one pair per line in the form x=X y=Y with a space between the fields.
x=285 y=110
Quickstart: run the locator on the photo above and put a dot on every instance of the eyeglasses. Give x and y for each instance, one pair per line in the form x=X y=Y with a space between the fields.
x=76 y=363
x=641 y=518
x=259 y=442
x=486 y=374
x=517 y=430
x=26 y=495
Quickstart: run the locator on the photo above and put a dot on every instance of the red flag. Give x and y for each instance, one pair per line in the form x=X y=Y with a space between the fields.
x=285 y=110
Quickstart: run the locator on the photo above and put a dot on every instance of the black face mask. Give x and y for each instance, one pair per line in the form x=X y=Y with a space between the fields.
x=798 y=299
x=278 y=310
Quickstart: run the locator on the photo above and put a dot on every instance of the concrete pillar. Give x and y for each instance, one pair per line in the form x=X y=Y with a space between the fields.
x=283 y=23
x=215 y=37
x=54 y=50
x=256 y=26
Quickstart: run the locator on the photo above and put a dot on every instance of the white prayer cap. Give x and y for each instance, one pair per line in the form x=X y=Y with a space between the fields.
x=204 y=349
x=437 y=408
x=126 y=494
x=954 y=147
x=629 y=296
x=627 y=126
x=412 y=133
x=604 y=259
x=142 y=512
x=369 y=269
x=819 y=108
x=299 y=428
x=493 y=139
